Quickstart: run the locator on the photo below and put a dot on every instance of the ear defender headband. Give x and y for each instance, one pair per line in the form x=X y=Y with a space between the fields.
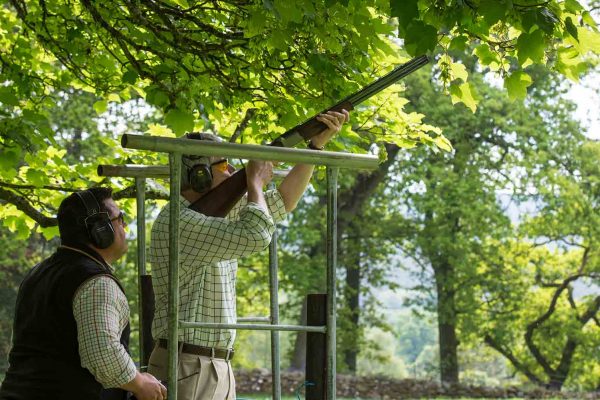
x=97 y=223
x=198 y=174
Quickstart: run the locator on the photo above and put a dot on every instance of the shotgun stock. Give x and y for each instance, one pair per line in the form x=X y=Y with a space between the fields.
x=220 y=200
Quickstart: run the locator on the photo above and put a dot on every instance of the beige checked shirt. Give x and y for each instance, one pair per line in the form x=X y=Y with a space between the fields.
x=208 y=251
x=101 y=312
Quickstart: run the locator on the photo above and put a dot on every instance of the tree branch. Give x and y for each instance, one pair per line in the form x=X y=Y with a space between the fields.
x=533 y=348
x=23 y=205
x=240 y=128
x=513 y=360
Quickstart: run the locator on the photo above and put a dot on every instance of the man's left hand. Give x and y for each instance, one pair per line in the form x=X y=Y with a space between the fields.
x=334 y=121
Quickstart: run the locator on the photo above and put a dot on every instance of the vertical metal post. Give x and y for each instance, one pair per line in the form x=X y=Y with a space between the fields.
x=316 y=374
x=140 y=196
x=173 y=313
x=332 y=173
x=274 y=299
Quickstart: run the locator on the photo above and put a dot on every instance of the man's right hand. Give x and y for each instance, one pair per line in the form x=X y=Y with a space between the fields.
x=146 y=387
x=258 y=174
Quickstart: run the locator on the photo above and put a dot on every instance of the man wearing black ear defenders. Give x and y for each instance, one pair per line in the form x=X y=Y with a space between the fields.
x=71 y=327
x=208 y=251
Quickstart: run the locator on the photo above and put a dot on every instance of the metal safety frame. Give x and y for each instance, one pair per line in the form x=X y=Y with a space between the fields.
x=333 y=161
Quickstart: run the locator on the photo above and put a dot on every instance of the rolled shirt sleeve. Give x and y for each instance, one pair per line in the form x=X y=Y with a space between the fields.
x=275 y=205
x=101 y=312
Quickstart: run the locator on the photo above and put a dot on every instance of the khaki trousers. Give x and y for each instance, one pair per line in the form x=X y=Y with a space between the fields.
x=199 y=377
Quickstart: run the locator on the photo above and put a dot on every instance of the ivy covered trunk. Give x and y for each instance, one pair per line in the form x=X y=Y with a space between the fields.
x=352 y=300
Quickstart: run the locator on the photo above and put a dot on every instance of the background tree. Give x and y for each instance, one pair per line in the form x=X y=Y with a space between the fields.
x=558 y=329
x=452 y=203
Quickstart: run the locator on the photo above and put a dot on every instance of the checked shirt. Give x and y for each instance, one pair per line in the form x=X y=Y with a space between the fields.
x=208 y=251
x=101 y=312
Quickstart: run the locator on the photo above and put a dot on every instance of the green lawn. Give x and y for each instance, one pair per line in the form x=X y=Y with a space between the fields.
x=268 y=397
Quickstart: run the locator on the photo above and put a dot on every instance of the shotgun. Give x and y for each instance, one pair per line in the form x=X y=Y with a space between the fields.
x=221 y=199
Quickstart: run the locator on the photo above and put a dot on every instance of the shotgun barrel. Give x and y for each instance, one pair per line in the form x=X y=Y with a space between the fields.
x=312 y=127
x=220 y=200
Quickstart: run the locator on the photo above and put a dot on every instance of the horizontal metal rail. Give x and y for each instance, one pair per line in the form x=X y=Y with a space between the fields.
x=134 y=170
x=258 y=327
x=248 y=151
x=153 y=171
x=254 y=319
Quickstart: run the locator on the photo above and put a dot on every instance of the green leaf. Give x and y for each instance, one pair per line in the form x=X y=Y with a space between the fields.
x=485 y=54
x=420 y=38
x=573 y=6
x=516 y=85
x=255 y=24
x=10 y=158
x=34 y=117
x=459 y=43
x=590 y=41
x=443 y=143
x=179 y=121
x=492 y=11
x=588 y=19
x=50 y=232
x=159 y=130
x=8 y=97
x=459 y=71
x=571 y=28
x=465 y=94
x=130 y=77
x=547 y=20
x=36 y=178
x=101 y=106
x=541 y=18
x=405 y=11
x=157 y=98
x=320 y=63
x=288 y=12
x=531 y=47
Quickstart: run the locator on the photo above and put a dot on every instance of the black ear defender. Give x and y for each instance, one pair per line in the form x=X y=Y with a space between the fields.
x=97 y=223
x=198 y=174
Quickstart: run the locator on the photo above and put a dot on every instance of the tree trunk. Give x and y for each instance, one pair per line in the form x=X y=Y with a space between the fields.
x=446 y=312
x=298 y=362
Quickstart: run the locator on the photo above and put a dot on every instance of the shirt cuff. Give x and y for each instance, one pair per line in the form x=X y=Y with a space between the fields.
x=127 y=376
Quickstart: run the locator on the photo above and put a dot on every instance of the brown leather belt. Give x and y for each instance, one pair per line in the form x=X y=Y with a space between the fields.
x=200 y=350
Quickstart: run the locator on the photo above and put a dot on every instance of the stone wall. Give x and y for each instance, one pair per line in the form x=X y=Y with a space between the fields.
x=374 y=387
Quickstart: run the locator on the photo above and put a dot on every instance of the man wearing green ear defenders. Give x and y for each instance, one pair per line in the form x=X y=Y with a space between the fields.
x=209 y=248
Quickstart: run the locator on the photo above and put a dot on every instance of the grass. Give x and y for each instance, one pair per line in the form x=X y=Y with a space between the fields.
x=255 y=396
